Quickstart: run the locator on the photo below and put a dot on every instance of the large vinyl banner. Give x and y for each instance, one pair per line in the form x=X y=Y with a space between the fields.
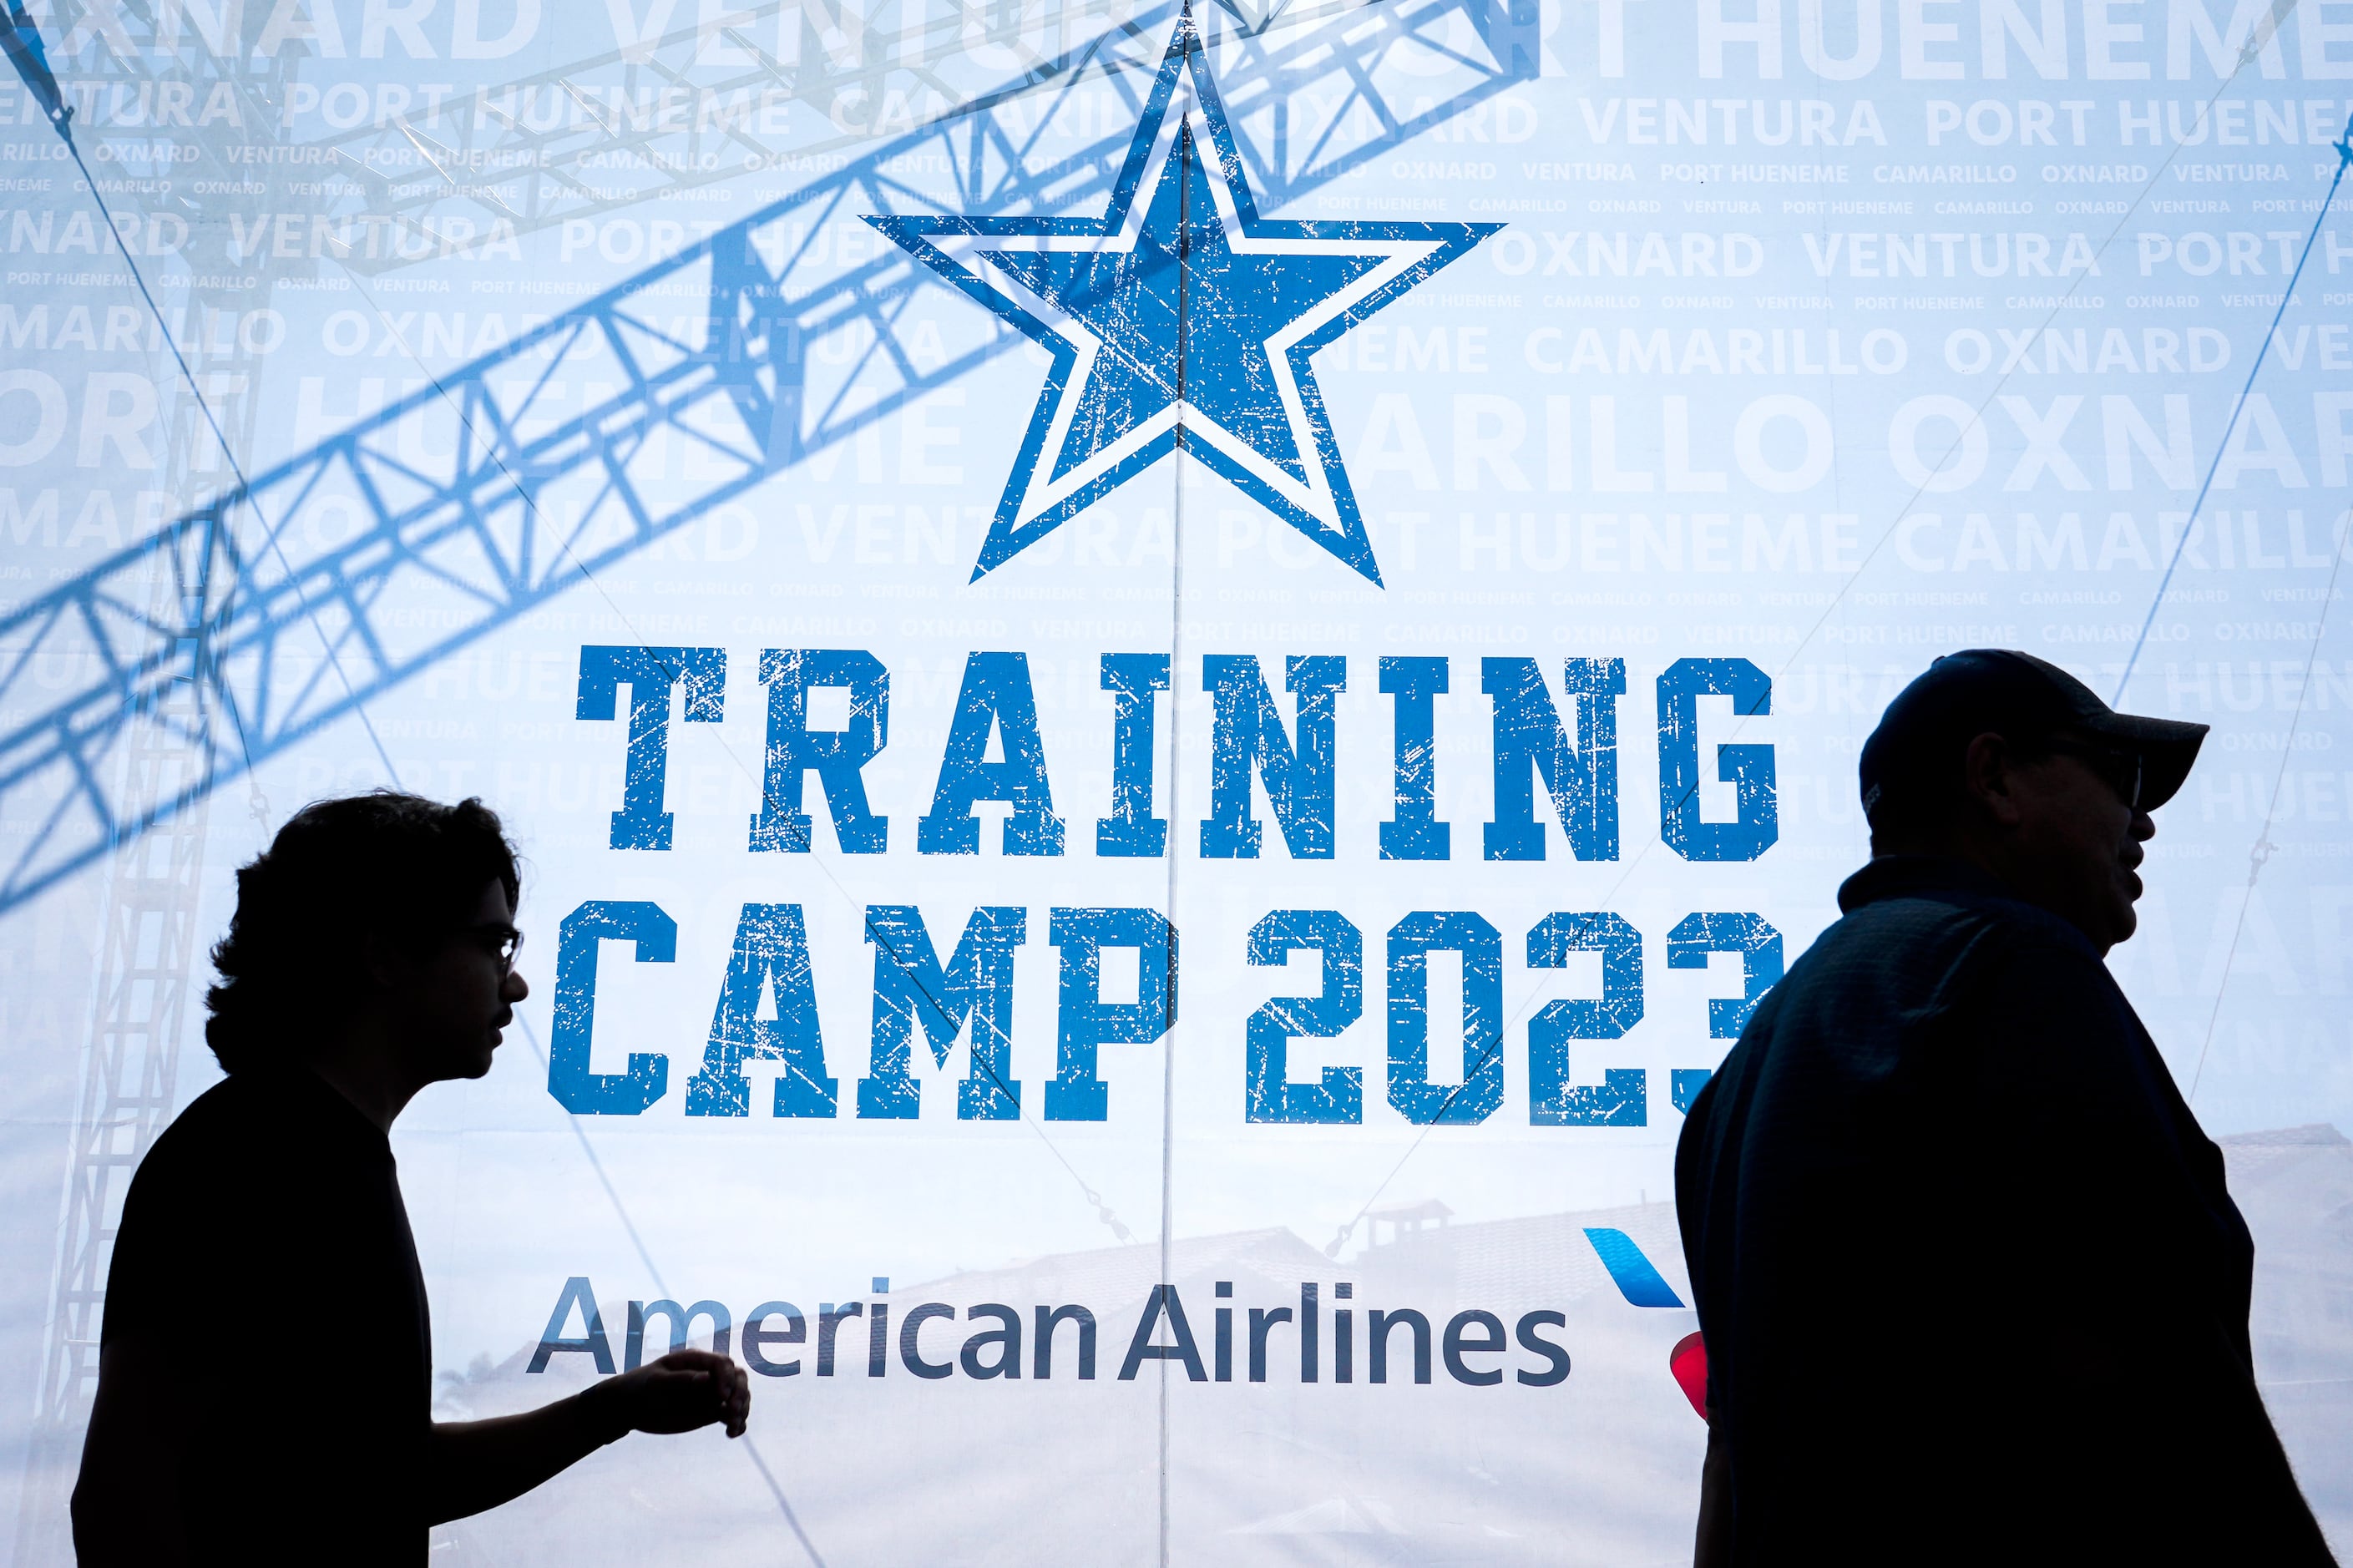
x=1170 y=672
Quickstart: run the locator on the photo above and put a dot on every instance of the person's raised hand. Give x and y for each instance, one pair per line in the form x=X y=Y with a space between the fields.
x=682 y=1391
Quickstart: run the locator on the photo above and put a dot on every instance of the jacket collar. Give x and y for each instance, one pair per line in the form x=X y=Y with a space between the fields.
x=1918 y=876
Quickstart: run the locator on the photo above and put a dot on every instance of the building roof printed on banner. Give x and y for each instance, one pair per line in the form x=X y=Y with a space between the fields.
x=1116 y=1277
x=2294 y=1185
x=1543 y=1258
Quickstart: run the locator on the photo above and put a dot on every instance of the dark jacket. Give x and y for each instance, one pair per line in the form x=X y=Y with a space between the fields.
x=264 y=1244
x=1971 y=1285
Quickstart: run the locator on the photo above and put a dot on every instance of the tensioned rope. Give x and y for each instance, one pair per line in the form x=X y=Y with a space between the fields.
x=2259 y=38
x=2259 y=854
x=22 y=46
x=2344 y=149
x=392 y=773
x=25 y=50
x=879 y=937
x=1185 y=151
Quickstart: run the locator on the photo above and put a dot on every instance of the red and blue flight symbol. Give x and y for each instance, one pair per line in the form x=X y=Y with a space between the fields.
x=1639 y=1280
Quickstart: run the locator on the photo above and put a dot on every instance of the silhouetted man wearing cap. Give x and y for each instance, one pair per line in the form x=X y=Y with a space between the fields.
x=1972 y=1285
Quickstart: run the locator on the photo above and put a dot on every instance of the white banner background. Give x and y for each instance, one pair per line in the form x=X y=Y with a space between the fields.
x=1824 y=336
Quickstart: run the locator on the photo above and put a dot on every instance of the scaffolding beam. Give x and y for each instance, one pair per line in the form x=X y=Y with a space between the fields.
x=488 y=493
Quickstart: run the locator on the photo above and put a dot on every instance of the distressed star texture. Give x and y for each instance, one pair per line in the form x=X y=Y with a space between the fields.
x=1181 y=321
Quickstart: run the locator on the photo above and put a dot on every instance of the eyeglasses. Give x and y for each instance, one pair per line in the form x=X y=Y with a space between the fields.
x=2120 y=771
x=502 y=941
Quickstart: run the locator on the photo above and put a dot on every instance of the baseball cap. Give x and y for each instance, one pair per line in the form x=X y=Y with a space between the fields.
x=1916 y=749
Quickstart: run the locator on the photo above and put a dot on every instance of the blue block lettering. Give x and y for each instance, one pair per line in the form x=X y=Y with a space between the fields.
x=576 y=1089
x=1411 y=942
x=1621 y=1099
x=1413 y=831
x=1748 y=767
x=771 y=953
x=1339 y=1097
x=1531 y=743
x=1759 y=947
x=649 y=673
x=1085 y=1021
x=1131 y=830
x=835 y=755
x=912 y=991
x=1248 y=735
x=996 y=697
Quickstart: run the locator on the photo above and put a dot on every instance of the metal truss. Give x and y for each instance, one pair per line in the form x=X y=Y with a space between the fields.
x=147 y=942
x=132 y=693
x=651 y=120
x=781 y=86
x=116 y=58
x=112 y=58
x=425 y=527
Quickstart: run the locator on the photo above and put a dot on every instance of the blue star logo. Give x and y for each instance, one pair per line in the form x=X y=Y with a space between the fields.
x=1181 y=322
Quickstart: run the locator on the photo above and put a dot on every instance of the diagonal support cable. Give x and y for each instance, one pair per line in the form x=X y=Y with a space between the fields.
x=2344 y=148
x=467 y=541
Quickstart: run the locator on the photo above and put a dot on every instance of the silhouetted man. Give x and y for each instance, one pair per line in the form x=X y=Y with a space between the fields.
x=1971 y=1287
x=265 y=1383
